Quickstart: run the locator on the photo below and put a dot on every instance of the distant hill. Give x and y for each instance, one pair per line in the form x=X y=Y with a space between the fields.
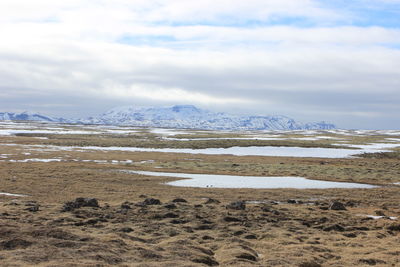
x=26 y=116
x=181 y=116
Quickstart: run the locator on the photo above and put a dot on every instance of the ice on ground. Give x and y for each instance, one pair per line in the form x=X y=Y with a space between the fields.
x=233 y=181
x=36 y=160
x=374 y=147
x=11 y=195
x=14 y=132
x=393 y=139
x=378 y=217
x=238 y=151
x=223 y=138
x=161 y=131
x=111 y=131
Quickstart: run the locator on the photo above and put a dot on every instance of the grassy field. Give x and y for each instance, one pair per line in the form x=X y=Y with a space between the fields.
x=276 y=227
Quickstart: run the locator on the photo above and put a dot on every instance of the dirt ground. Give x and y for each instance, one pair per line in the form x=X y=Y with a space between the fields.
x=140 y=221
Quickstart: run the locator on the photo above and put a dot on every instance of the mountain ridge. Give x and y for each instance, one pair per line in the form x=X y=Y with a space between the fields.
x=179 y=116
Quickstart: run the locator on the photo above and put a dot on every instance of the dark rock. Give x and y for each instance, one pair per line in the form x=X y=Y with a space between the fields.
x=275 y=212
x=212 y=201
x=206 y=251
x=361 y=228
x=250 y=236
x=123 y=211
x=372 y=261
x=178 y=221
x=335 y=227
x=14 y=244
x=237 y=205
x=31 y=203
x=80 y=202
x=151 y=201
x=367 y=219
x=88 y=222
x=380 y=213
x=170 y=206
x=87 y=202
x=207 y=237
x=246 y=256
x=351 y=204
x=350 y=235
x=170 y=215
x=231 y=219
x=206 y=260
x=204 y=227
x=69 y=206
x=34 y=208
x=126 y=205
x=126 y=230
x=323 y=220
x=336 y=205
x=198 y=206
x=394 y=227
x=237 y=233
x=291 y=201
x=266 y=209
x=179 y=200
x=310 y=264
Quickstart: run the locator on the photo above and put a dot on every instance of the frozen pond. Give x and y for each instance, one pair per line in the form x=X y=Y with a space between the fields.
x=237 y=151
x=261 y=151
x=233 y=181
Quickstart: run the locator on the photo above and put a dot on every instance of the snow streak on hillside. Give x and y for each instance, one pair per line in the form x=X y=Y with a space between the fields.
x=181 y=116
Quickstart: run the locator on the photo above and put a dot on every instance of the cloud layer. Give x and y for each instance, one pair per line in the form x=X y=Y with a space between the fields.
x=311 y=60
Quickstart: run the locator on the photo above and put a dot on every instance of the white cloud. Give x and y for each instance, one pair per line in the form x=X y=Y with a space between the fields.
x=163 y=10
x=77 y=48
x=174 y=95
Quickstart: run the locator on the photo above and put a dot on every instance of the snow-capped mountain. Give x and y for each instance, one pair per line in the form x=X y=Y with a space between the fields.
x=180 y=116
x=26 y=116
x=188 y=116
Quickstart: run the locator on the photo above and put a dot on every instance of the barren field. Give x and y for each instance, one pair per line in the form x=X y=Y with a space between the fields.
x=67 y=200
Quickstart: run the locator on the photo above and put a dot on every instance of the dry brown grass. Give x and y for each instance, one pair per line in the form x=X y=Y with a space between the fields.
x=271 y=233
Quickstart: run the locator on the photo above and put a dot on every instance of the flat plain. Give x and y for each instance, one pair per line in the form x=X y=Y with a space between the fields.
x=67 y=198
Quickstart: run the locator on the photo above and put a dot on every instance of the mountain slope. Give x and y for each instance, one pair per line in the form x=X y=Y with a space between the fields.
x=26 y=116
x=187 y=116
x=180 y=116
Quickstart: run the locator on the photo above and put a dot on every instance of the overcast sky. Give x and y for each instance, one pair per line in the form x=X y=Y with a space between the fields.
x=313 y=60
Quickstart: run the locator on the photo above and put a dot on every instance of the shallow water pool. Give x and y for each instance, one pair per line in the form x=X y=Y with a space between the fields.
x=233 y=181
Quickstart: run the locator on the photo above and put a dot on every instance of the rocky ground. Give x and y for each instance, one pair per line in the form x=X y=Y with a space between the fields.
x=200 y=231
x=78 y=212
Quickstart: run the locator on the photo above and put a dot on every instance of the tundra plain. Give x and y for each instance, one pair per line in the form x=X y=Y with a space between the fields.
x=67 y=198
